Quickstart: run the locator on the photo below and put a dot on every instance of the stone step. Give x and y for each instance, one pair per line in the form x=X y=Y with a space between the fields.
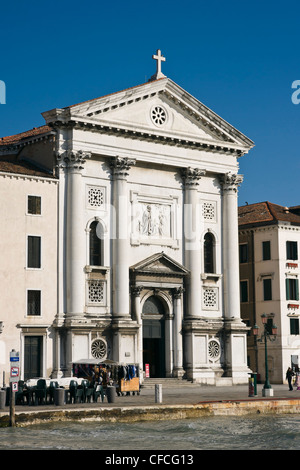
x=166 y=382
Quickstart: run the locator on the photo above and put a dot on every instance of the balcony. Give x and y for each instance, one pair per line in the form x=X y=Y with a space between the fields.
x=294 y=306
x=292 y=265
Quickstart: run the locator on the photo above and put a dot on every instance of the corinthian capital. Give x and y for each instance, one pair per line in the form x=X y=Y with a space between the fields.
x=231 y=181
x=178 y=291
x=73 y=159
x=121 y=165
x=191 y=176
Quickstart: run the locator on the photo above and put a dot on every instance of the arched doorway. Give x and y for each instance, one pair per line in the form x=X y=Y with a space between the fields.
x=153 y=314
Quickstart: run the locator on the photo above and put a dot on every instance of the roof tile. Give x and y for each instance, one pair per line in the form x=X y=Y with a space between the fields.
x=13 y=139
x=266 y=213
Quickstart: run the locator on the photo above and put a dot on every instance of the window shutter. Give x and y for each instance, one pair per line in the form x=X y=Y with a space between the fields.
x=287 y=288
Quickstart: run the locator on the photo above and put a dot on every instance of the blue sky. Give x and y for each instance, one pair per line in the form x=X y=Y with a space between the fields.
x=238 y=58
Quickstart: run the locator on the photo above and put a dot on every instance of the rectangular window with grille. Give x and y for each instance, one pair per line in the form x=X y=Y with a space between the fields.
x=244 y=291
x=243 y=253
x=266 y=248
x=267 y=286
x=33 y=252
x=292 y=290
x=34 y=205
x=291 y=250
x=33 y=302
x=294 y=326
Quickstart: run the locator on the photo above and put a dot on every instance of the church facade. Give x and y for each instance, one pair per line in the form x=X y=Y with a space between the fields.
x=147 y=239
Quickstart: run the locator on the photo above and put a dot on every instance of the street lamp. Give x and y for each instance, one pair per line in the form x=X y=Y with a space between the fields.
x=266 y=335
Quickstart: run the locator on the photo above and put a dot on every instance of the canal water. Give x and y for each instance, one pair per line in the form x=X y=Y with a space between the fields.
x=210 y=433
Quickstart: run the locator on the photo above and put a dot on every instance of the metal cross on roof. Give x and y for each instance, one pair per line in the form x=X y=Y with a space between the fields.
x=159 y=58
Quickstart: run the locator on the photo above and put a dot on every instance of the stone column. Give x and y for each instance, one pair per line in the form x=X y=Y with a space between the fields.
x=235 y=330
x=73 y=162
x=230 y=183
x=192 y=250
x=136 y=292
x=178 y=354
x=169 y=344
x=120 y=168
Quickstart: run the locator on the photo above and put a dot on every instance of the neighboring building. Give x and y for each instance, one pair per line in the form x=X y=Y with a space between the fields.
x=147 y=234
x=28 y=245
x=269 y=237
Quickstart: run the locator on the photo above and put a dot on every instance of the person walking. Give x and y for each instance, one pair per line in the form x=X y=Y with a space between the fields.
x=289 y=376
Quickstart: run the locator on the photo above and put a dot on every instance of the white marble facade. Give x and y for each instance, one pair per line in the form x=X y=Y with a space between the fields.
x=155 y=173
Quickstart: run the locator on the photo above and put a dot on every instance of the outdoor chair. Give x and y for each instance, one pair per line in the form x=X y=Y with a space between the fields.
x=40 y=392
x=89 y=394
x=87 y=391
x=51 y=389
x=75 y=392
x=19 y=395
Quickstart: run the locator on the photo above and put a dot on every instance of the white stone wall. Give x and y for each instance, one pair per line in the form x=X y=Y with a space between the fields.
x=277 y=269
x=15 y=277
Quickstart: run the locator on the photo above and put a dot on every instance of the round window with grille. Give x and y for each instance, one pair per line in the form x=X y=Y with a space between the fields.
x=158 y=115
x=99 y=349
x=214 y=349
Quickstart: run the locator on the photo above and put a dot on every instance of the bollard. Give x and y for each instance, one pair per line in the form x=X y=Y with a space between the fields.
x=254 y=375
x=2 y=399
x=111 y=394
x=251 y=387
x=158 y=393
x=59 y=396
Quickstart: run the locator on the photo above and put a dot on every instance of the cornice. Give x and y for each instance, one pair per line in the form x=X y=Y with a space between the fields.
x=93 y=115
x=42 y=179
x=266 y=226
x=258 y=228
x=155 y=136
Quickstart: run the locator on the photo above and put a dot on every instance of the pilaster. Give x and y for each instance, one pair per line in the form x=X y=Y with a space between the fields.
x=178 y=344
x=136 y=293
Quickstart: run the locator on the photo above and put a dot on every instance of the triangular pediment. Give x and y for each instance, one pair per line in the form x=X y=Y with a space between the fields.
x=159 y=109
x=160 y=263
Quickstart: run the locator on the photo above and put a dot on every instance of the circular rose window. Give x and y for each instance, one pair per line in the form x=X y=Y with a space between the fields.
x=99 y=349
x=158 y=115
x=213 y=349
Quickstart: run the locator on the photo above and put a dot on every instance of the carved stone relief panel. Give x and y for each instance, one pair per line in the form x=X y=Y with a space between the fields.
x=154 y=220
